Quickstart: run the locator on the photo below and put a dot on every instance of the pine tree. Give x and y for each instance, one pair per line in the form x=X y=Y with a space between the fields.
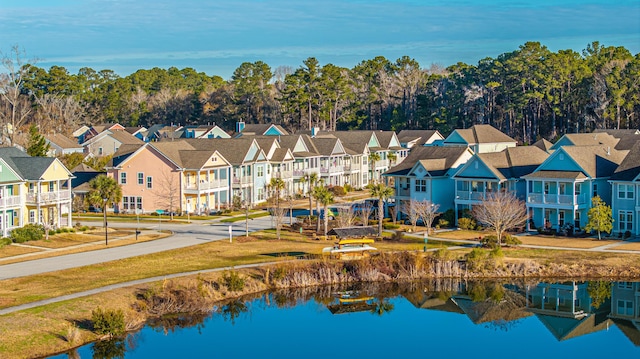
x=38 y=146
x=599 y=217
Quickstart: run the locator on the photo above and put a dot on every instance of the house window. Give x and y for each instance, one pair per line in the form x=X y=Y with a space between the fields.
x=625 y=220
x=123 y=177
x=625 y=191
x=125 y=203
x=260 y=194
x=595 y=189
x=149 y=182
x=139 y=203
x=100 y=151
x=625 y=285
x=51 y=186
x=421 y=185
x=260 y=171
x=140 y=178
x=625 y=307
x=32 y=216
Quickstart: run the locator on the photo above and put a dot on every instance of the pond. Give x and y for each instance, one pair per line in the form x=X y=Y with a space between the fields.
x=444 y=317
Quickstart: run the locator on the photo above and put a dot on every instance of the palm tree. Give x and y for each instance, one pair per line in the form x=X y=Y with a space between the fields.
x=276 y=185
x=311 y=179
x=382 y=192
x=104 y=190
x=324 y=196
x=373 y=158
x=392 y=157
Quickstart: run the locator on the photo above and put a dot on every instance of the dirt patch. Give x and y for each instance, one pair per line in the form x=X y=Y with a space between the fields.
x=583 y=243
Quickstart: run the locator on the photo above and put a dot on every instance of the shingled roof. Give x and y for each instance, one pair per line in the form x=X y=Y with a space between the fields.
x=514 y=162
x=421 y=136
x=629 y=169
x=62 y=141
x=597 y=161
x=29 y=168
x=483 y=134
x=436 y=160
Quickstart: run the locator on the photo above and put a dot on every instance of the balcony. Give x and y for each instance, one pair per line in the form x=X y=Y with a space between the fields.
x=403 y=192
x=11 y=201
x=561 y=199
x=242 y=180
x=283 y=174
x=470 y=196
x=204 y=186
x=48 y=197
x=331 y=169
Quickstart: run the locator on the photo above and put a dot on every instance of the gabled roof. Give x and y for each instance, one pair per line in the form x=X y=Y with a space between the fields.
x=594 y=162
x=261 y=129
x=234 y=150
x=478 y=134
x=27 y=167
x=281 y=155
x=124 y=137
x=326 y=145
x=436 y=160
x=618 y=133
x=135 y=130
x=62 y=141
x=586 y=139
x=513 y=162
x=543 y=145
x=80 y=131
x=385 y=138
x=351 y=139
x=421 y=136
x=83 y=168
x=123 y=153
x=629 y=169
x=627 y=141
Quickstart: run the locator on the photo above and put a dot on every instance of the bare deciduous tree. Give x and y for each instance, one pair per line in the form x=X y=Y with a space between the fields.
x=409 y=209
x=58 y=114
x=346 y=216
x=364 y=212
x=426 y=210
x=278 y=214
x=168 y=191
x=501 y=211
x=15 y=107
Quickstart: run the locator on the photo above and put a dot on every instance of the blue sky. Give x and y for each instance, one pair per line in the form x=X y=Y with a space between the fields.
x=216 y=36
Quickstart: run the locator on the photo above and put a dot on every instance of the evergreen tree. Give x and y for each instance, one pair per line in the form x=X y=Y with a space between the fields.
x=38 y=146
x=599 y=217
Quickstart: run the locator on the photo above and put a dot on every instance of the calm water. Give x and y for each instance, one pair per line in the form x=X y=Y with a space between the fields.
x=454 y=318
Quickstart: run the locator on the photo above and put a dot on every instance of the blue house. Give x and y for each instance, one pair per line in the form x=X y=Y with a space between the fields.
x=560 y=190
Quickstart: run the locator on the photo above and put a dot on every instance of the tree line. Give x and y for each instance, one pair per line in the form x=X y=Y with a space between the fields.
x=529 y=93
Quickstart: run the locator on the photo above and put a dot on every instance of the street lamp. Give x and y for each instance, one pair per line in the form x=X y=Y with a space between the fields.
x=104 y=211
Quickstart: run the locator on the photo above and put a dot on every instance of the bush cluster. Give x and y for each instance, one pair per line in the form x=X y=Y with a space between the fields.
x=466 y=223
x=108 y=321
x=30 y=232
x=233 y=281
x=337 y=190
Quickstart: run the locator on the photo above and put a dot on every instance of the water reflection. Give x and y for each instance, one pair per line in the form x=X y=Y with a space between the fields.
x=567 y=310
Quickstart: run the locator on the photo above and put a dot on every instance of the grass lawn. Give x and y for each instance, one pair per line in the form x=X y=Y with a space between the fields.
x=11 y=250
x=584 y=243
x=244 y=217
x=629 y=246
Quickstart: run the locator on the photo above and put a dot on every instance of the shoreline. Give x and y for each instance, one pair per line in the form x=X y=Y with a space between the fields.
x=200 y=291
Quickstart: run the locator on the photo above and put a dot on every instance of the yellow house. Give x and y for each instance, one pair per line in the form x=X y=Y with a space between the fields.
x=46 y=192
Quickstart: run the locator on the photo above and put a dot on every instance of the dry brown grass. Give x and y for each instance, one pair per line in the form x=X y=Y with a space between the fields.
x=11 y=251
x=564 y=241
x=629 y=246
x=63 y=240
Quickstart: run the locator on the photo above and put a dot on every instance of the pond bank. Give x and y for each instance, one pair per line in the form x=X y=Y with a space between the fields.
x=62 y=326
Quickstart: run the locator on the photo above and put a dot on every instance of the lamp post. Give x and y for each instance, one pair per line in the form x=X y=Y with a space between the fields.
x=104 y=211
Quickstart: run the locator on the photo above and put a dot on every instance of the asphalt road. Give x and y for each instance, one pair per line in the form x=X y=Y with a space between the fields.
x=185 y=235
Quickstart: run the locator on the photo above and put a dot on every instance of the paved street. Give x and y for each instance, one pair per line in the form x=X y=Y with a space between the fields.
x=184 y=235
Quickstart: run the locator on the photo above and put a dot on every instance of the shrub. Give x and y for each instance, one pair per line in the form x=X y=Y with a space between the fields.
x=5 y=241
x=233 y=281
x=490 y=241
x=337 y=190
x=442 y=223
x=30 y=232
x=108 y=321
x=390 y=226
x=511 y=240
x=449 y=216
x=348 y=188
x=397 y=236
x=52 y=232
x=466 y=223
x=627 y=234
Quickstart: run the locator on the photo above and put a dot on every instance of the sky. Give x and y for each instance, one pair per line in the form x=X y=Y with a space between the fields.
x=216 y=36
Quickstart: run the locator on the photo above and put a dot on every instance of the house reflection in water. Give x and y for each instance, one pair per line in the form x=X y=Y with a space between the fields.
x=566 y=309
x=625 y=309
